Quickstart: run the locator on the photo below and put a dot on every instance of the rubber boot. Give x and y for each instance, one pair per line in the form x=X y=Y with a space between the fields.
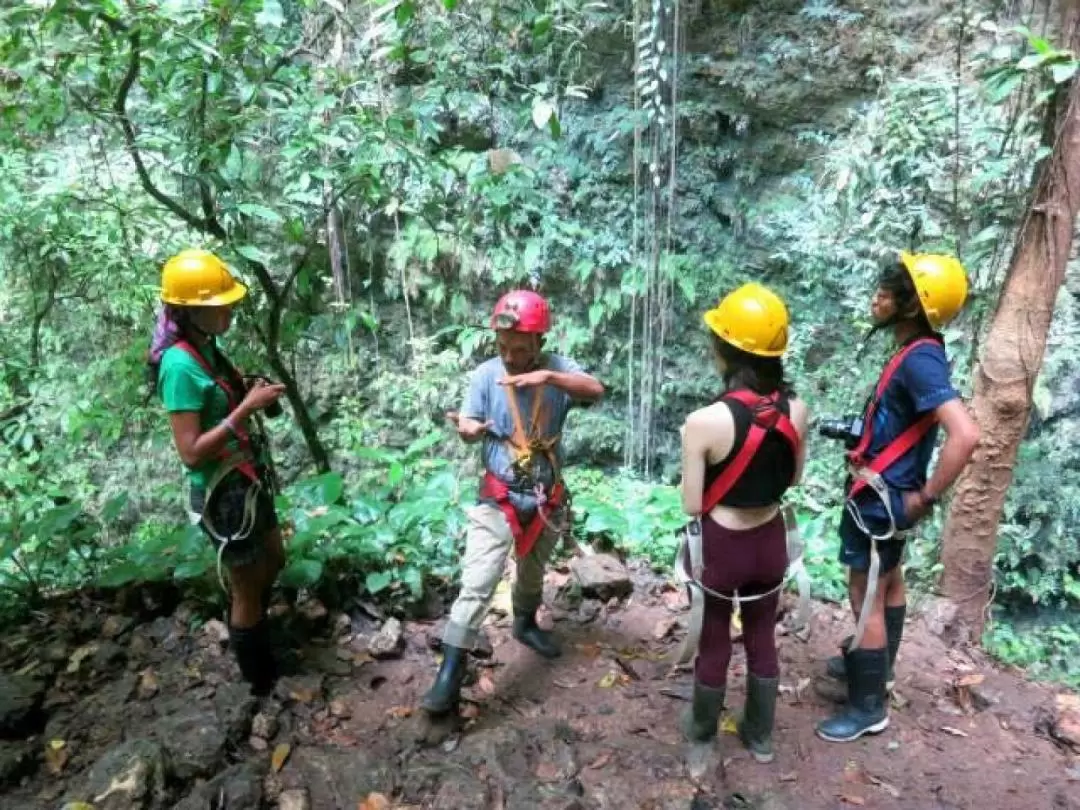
x=444 y=693
x=528 y=632
x=255 y=657
x=866 y=711
x=755 y=727
x=702 y=719
x=894 y=634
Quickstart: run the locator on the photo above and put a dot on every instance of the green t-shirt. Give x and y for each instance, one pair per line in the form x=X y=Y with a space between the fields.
x=185 y=386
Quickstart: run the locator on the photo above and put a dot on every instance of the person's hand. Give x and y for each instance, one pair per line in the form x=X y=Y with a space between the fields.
x=532 y=379
x=260 y=395
x=916 y=506
x=469 y=429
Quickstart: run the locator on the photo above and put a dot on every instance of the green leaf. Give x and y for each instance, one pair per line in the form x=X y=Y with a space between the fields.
x=114 y=507
x=1061 y=72
x=423 y=444
x=253 y=253
x=271 y=16
x=378 y=581
x=404 y=12
x=414 y=578
x=330 y=486
x=450 y=5
x=302 y=573
x=191 y=569
x=260 y=211
x=542 y=25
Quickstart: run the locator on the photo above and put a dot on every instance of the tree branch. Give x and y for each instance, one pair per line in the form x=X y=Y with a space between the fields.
x=210 y=226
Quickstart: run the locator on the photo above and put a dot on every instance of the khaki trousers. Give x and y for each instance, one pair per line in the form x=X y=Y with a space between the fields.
x=488 y=541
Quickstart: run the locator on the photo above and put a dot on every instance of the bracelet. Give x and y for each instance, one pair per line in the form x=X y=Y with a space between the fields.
x=229 y=424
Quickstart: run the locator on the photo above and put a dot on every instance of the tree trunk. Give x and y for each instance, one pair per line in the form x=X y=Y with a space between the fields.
x=1011 y=359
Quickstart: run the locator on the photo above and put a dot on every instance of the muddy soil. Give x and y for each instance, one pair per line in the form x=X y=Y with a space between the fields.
x=110 y=708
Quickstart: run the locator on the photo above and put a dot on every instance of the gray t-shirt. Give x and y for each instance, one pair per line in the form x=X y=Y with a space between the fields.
x=487 y=400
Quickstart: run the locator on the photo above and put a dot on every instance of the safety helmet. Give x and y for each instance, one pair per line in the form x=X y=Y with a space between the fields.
x=522 y=311
x=753 y=319
x=940 y=282
x=198 y=278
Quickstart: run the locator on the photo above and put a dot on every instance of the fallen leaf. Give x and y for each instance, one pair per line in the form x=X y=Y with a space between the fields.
x=852 y=799
x=148 y=684
x=589 y=650
x=485 y=684
x=664 y=628
x=56 y=756
x=374 y=801
x=302 y=695
x=881 y=783
x=854 y=773
x=729 y=725
x=78 y=656
x=281 y=753
x=954 y=731
x=547 y=772
x=600 y=761
x=971 y=680
x=400 y=712
x=78 y=806
x=608 y=680
x=564 y=684
x=789 y=777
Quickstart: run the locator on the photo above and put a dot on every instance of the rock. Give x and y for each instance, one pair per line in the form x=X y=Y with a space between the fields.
x=116 y=626
x=235 y=706
x=264 y=725
x=16 y=761
x=215 y=632
x=108 y=655
x=195 y=740
x=389 y=641
x=21 y=697
x=294 y=800
x=258 y=744
x=314 y=611
x=457 y=790
x=129 y=777
x=148 y=685
x=240 y=787
x=1067 y=722
x=601 y=576
x=339 y=777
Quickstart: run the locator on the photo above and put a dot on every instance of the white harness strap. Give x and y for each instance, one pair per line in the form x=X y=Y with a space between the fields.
x=692 y=546
x=877 y=484
x=247 y=524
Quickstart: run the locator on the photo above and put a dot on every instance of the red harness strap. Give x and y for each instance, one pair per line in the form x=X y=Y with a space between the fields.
x=895 y=449
x=765 y=417
x=524 y=537
x=247 y=466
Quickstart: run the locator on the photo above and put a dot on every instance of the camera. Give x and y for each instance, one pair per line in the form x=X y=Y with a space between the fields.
x=848 y=429
x=274 y=409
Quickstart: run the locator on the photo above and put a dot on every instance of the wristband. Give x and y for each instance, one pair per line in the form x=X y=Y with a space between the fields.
x=229 y=424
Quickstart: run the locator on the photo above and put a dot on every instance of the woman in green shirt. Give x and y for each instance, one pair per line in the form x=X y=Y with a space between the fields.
x=209 y=408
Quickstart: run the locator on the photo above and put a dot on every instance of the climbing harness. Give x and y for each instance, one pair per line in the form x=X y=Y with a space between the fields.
x=869 y=474
x=524 y=447
x=242 y=462
x=765 y=417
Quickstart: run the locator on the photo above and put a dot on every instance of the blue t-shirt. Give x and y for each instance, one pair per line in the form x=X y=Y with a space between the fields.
x=486 y=399
x=920 y=385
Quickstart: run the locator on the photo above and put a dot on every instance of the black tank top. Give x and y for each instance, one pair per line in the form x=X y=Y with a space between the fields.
x=770 y=471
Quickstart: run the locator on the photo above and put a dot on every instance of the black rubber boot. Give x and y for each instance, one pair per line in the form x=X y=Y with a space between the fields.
x=445 y=692
x=755 y=727
x=702 y=719
x=529 y=633
x=894 y=634
x=866 y=711
x=254 y=655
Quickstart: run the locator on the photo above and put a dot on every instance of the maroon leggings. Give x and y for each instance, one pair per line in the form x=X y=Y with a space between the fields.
x=751 y=561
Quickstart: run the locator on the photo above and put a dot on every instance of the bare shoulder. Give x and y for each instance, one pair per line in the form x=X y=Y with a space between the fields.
x=800 y=413
x=711 y=417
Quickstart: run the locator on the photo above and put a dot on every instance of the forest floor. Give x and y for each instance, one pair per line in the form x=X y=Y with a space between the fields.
x=133 y=703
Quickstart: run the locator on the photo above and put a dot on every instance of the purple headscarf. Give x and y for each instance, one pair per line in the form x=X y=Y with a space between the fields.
x=166 y=333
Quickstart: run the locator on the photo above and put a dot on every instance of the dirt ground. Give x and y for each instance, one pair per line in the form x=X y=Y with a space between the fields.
x=110 y=708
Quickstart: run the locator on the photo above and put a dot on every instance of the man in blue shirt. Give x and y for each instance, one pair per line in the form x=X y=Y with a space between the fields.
x=890 y=491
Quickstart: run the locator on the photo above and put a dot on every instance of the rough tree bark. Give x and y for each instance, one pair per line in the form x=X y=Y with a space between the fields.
x=1011 y=358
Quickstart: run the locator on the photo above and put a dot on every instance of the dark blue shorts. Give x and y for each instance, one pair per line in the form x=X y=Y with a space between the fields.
x=855 y=545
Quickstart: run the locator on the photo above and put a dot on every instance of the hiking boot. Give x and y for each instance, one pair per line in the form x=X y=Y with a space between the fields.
x=866 y=711
x=701 y=721
x=445 y=692
x=255 y=657
x=528 y=632
x=755 y=727
x=894 y=634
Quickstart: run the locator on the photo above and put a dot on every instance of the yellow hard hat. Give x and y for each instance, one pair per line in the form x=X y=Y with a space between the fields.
x=941 y=284
x=753 y=319
x=198 y=278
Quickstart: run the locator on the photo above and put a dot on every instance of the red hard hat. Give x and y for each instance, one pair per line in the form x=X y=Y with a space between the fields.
x=522 y=311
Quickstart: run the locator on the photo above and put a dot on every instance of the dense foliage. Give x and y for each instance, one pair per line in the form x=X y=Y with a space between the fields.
x=377 y=171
